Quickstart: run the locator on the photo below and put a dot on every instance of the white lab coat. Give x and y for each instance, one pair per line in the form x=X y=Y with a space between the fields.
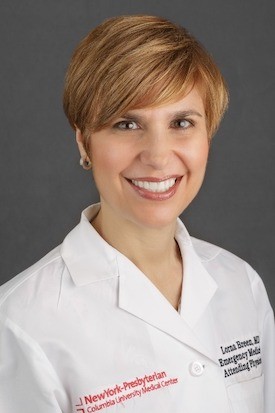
x=83 y=330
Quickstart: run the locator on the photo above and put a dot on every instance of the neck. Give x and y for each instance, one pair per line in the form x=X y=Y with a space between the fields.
x=147 y=248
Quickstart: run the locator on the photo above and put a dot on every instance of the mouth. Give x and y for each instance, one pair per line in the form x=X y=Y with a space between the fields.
x=156 y=189
x=155 y=186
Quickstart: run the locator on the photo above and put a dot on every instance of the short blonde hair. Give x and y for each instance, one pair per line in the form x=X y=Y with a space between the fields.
x=130 y=62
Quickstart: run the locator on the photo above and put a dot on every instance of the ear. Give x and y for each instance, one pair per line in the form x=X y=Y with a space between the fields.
x=85 y=160
x=80 y=143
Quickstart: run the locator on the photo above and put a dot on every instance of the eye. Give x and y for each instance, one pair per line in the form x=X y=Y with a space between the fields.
x=182 y=124
x=126 y=125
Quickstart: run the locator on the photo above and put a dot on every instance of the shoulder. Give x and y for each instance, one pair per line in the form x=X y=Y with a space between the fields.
x=225 y=266
x=209 y=252
x=213 y=255
x=39 y=277
x=31 y=300
x=232 y=272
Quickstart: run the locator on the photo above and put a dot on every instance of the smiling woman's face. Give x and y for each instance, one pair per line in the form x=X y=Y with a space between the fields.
x=150 y=163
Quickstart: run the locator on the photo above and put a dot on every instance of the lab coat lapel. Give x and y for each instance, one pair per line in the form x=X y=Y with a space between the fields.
x=198 y=285
x=198 y=288
x=138 y=296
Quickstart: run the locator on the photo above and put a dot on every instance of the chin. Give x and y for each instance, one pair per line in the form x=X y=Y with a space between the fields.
x=156 y=218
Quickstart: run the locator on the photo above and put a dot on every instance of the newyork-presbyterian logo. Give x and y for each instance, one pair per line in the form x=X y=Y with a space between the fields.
x=122 y=392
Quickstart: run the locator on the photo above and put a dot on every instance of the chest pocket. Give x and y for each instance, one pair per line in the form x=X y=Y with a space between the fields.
x=247 y=396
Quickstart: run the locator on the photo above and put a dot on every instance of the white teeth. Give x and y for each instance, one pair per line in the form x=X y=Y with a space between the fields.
x=161 y=186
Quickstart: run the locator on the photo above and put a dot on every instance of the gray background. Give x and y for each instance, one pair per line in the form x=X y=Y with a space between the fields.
x=43 y=189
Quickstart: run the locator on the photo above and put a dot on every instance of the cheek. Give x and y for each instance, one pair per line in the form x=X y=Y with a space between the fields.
x=109 y=161
x=103 y=169
x=196 y=156
x=202 y=155
x=104 y=158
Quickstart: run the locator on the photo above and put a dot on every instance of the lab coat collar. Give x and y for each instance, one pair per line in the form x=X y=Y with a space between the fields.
x=87 y=256
x=90 y=259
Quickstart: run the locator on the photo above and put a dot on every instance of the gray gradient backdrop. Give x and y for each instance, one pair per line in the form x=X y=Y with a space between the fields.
x=43 y=189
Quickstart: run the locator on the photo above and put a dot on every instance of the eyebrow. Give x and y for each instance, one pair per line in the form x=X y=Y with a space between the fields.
x=174 y=115
x=185 y=113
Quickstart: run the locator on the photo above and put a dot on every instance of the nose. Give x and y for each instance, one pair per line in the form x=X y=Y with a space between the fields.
x=156 y=150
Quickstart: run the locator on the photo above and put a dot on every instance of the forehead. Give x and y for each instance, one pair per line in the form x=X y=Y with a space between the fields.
x=192 y=102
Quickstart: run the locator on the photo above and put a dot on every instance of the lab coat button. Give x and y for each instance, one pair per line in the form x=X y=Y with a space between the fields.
x=196 y=368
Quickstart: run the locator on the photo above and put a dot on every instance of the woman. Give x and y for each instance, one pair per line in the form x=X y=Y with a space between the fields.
x=130 y=313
